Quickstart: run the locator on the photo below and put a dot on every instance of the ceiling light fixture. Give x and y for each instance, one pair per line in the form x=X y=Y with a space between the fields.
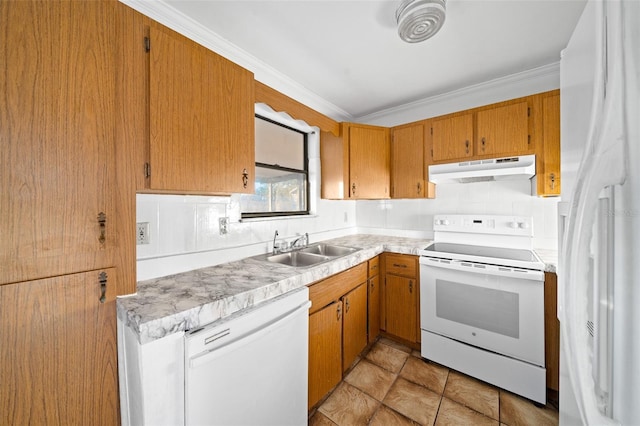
x=419 y=20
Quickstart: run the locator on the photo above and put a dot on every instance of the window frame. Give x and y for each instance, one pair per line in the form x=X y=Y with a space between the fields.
x=305 y=172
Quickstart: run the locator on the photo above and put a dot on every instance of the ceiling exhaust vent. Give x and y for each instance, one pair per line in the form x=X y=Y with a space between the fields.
x=419 y=20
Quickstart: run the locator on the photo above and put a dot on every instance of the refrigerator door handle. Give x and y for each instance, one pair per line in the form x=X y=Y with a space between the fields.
x=604 y=165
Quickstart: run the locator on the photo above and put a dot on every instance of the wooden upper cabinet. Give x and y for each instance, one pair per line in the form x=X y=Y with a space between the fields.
x=57 y=126
x=549 y=153
x=452 y=137
x=503 y=130
x=201 y=117
x=369 y=172
x=58 y=352
x=407 y=162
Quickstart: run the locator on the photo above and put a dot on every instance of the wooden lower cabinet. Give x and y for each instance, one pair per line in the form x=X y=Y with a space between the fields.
x=402 y=303
x=58 y=357
x=374 y=308
x=354 y=324
x=325 y=350
x=551 y=331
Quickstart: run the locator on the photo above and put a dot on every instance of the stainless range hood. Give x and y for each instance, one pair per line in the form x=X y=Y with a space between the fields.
x=505 y=168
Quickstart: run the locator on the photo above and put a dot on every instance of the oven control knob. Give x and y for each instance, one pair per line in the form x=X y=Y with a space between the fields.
x=513 y=225
x=523 y=225
x=445 y=222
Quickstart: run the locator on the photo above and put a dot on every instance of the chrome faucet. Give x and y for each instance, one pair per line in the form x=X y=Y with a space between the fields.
x=276 y=249
x=304 y=238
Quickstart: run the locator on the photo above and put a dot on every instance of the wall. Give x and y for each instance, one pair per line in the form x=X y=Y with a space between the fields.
x=414 y=218
x=184 y=230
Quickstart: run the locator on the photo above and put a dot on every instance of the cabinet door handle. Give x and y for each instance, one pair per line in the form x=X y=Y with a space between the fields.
x=245 y=178
x=552 y=176
x=102 y=278
x=346 y=305
x=372 y=286
x=339 y=311
x=484 y=141
x=353 y=189
x=466 y=145
x=102 y=222
x=399 y=265
x=410 y=286
x=419 y=188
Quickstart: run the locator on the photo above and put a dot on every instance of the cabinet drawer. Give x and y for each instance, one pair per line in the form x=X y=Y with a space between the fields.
x=399 y=264
x=374 y=266
x=333 y=288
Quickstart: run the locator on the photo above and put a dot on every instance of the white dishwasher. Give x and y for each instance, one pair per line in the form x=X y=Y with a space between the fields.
x=251 y=368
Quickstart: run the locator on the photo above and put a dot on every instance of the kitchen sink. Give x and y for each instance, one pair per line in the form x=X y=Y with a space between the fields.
x=297 y=259
x=329 y=250
x=308 y=256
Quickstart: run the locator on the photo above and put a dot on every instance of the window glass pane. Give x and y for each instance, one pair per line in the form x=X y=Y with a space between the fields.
x=278 y=145
x=277 y=191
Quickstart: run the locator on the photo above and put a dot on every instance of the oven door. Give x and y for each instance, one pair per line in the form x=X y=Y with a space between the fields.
x=500 y=309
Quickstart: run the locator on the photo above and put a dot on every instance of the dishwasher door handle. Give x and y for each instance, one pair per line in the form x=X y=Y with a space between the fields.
x=205 y=357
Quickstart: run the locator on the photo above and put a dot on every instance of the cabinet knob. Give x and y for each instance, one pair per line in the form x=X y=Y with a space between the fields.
x=466 y=145
x=346 y=305
x=552 y=177
x=419 y=188
x=353 y=189
x=339 y=311
x=410 y=286
x=484 y=141
x=245 y=178
x=102 y=278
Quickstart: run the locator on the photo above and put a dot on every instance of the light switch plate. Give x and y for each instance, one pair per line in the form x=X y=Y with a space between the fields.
x=142 y=233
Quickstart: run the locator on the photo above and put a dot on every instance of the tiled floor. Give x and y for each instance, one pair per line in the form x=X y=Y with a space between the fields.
x=391 y=385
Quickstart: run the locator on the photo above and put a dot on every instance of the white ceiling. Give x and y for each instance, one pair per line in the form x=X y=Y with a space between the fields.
x=349 y=54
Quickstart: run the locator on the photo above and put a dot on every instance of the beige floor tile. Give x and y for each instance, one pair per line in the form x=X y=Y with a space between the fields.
x=385 y=416
x=371 y=379
x=417 y=403
x=427 y=374
x=319 y=419
x=387 y=357
x=473 y=393
x=453 y=414
x=516 y=411
x=348 y=405
x=395 y=345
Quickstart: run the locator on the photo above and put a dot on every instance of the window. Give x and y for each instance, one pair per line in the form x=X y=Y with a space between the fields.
x=282 y=184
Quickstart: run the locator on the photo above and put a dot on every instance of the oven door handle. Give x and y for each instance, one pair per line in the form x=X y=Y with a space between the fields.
x=481 y=268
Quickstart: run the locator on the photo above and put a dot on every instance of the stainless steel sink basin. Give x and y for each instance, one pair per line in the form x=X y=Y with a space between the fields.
x=297 y=259
x=329 y=250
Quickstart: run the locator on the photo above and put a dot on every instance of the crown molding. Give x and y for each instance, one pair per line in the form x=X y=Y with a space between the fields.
x=536 y=80
x=167 y=15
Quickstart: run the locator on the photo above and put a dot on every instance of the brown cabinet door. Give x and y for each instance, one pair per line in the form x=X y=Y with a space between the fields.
x=407 y=162
x=551 y=330
x=369 y=172
x=452 y=137
x=325 y=351
x=549 y=182
x=57 y=127
x=354 y=325
x=58 y=360
x=503 y=130
x=201 y=112
x=401 y=307
x=374 y=308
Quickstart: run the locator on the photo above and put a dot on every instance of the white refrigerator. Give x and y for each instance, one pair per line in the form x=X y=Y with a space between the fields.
x=599 y=262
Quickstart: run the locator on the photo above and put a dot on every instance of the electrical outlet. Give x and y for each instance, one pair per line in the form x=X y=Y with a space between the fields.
x=224 y=225
x=142 y=233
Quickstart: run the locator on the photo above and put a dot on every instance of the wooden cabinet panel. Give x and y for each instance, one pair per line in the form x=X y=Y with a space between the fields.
x=325 y=351
x=334 y=158
x=503 y=130
x=333 y=288
x=354 y=324
x=404 y=265
x=549 y=180
x=401 y=307
x=373 y=303
x=58 y=359
x=57 y=126
x=452 y=137
x=369 y=172
x=407 y=162
x=551 y=331
x=201 y=117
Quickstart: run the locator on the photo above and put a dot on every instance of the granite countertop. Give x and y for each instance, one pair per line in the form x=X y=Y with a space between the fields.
x=175 y=303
